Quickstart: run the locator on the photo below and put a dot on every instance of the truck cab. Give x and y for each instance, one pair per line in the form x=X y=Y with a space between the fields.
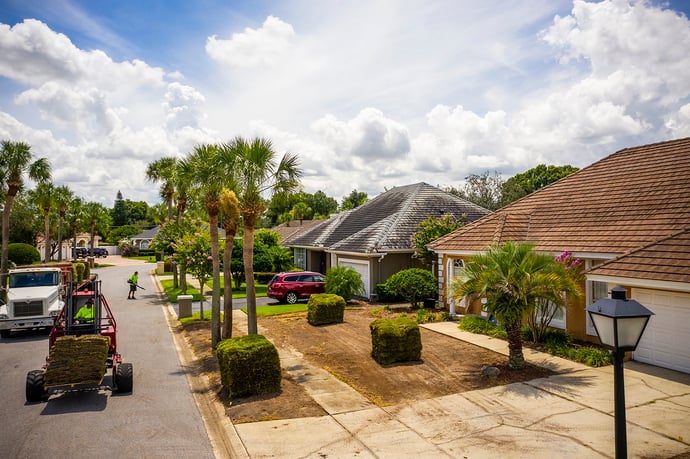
x=35 y=297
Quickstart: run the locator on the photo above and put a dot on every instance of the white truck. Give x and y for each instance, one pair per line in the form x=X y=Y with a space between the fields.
x=35 y=297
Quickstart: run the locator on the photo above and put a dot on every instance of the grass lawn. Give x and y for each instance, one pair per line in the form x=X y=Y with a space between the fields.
x=260 y=289
x=148 y=259
x=278 y=309
x=172 y=293
x=195 y=318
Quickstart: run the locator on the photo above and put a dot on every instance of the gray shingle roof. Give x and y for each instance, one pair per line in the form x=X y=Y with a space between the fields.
x=386 y=222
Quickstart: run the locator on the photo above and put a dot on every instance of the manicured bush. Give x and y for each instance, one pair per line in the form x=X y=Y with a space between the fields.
x=413 y=284
x=476 y=324
x=344 y=281
x=263 y=278
x=384 y=296
x=424 y=316
x=249 y=365
x=23 y=254
x=395 y=340
x=78 y=270
x=325 y=308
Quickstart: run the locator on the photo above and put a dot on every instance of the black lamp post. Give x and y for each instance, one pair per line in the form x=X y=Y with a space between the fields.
x=619 y=322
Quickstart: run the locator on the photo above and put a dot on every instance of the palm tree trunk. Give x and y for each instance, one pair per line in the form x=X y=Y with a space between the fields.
x=46 y=235
x=227 y=284
x=215 y=298
x=201 y=299
x=516 y=359
x=59 y=236
x=5 y=244
x=248 y=257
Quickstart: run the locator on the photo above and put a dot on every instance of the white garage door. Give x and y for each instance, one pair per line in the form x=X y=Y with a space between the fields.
x=666 y=340
x=362 y=267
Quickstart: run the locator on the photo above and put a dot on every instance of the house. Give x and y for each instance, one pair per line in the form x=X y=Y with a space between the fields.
x=143 y=240
x=375 y=238
x=294 y=228
x=627 y=217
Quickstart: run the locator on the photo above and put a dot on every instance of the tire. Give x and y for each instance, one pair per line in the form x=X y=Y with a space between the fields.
x=124 y=377
x=35 y=392
x=291 y=298
x=5 y=333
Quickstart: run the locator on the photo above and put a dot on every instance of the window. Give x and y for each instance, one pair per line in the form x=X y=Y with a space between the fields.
x=595 y=292
x=559 y=318
x=300 y=256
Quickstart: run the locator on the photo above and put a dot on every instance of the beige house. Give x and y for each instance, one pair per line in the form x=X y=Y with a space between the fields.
x=628 y=218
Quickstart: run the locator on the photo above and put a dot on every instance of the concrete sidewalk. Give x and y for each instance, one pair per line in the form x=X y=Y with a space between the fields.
x=569 y=415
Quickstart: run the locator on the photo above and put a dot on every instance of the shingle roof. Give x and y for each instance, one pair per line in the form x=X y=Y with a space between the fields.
x=386 y=222
x=664 y=260
x=632 y=198
x=294 y=228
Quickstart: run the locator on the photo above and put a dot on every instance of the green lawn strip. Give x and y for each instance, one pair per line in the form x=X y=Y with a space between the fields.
x=260 y=289
x=172 y=293
x=185 y=321
x=278 y=309
x=148 y=259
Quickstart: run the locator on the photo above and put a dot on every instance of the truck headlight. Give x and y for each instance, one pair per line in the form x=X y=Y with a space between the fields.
x=4 y=316
x=54 y=313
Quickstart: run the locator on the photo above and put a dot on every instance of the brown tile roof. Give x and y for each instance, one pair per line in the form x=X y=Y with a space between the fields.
x=632 y=198
x=294 y=228
x=664 y=260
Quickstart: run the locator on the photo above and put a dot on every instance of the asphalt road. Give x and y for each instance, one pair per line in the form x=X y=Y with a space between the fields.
x=159 y=419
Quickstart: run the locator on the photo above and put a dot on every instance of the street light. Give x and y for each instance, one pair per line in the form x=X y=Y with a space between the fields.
x=619 y=322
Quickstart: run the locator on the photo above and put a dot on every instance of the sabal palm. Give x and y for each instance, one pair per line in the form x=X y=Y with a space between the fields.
x=163 y=170
x=63 y=199
x=75 y=216
x=511 y=277
x=44 y=197
x=209 y=170
x=230 y=210
x=257 y=173
x=16 y=160
x=98 y=218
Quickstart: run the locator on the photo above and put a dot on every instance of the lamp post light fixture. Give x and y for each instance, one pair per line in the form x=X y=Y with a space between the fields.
x=619 y=323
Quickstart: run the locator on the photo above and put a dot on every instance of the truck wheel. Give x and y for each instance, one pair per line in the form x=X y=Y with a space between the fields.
x=124 y=377
x=34 y=386
x=291 y=298
x=5 y=333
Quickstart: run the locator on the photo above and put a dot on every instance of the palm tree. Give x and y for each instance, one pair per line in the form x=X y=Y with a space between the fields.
x=98 y=218
x=15 y=161
x=63 y=199
x=512 y=277
x=230 y=209
x=163 y=170
x=212 y=169
x=44 y=197
x=257 y=173
x=75 y=217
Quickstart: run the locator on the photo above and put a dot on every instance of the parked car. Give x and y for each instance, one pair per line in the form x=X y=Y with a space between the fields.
x=80 y=252
x=291 y=287
x=99 y=252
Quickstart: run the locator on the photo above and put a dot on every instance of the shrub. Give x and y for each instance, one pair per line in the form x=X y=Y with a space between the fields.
x=475 y=324
x=263 y=278
x=384 y=296
x=249 y=365
x=424 y=316
x=23 y=254
x=325 y=308
x=344 y=281
x=592 y=356
x=413 y=285
x=395 y=340
x=78 y=271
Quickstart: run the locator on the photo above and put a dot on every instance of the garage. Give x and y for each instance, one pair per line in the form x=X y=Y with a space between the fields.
x=666 y=340
x=362 y=267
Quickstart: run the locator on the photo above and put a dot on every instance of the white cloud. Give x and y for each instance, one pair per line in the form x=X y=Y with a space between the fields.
x=253 y=47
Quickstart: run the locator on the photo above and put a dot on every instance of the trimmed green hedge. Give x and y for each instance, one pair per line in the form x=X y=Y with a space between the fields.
x=395 y=340
x=325 y=308
x=22 y=254
x=249 y=365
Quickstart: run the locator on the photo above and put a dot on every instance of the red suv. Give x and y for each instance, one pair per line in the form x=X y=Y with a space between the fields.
x=290 y=287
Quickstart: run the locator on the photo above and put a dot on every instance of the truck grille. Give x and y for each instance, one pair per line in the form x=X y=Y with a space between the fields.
x=33 y=308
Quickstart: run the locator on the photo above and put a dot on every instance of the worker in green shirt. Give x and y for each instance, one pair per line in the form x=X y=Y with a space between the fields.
x=133 y=280
x=85 y=314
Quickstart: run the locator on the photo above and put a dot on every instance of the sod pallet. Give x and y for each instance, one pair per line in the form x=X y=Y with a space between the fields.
x=77 y=360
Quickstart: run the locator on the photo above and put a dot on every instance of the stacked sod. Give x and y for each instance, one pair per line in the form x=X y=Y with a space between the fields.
x=77 y=360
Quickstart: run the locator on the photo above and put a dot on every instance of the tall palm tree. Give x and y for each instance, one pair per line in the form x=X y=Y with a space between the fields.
x=75 y=217
x=44 y=197
x=230 y=210
x=512 y=277
x=63 y=198
x=16 y=160
x=163 y=170
x=211 y=168
x=257 y=174
x=98 y=218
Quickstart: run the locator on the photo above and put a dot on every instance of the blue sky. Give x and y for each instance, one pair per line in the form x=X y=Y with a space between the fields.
x=369 y=94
